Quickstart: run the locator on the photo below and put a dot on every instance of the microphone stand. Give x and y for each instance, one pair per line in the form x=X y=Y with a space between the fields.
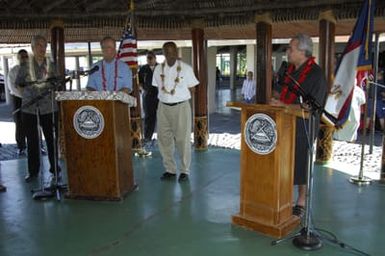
x=47 y=192
x=308 y=238
x=56 y=186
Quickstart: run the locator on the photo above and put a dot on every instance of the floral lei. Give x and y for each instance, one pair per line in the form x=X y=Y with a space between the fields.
x=288 y=96
x=176 y=80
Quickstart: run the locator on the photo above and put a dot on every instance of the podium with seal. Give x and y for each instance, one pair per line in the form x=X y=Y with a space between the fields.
x=97 y=143
x=267 y=168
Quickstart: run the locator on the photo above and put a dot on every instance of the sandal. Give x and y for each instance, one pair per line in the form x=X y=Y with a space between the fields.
x=299 y=211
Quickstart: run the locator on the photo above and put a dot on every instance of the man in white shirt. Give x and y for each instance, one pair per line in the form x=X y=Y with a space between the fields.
x=249 y=88
x=175 y=81
x=15 y=90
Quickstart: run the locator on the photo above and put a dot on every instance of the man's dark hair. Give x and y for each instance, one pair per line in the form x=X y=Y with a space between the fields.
x=151 y=53
x=22 y=51
x=169 y=44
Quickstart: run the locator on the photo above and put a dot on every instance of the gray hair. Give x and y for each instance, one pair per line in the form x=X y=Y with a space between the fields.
x=37 y=38
x=107 y=38
x=305 y=44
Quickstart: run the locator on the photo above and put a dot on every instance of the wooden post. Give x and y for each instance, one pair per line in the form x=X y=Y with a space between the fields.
x=58 y=56
x=264 y=75
x=135 y=114
x=199 y=52
x=57 y=45
x=326 y=62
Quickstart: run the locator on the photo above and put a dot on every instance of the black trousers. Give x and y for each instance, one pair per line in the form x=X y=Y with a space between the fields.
x=32 y=132
x=19 y=134
x=150 y=105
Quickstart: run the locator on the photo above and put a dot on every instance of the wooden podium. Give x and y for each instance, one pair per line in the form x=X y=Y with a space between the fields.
x=267 y=179
x=97 y=144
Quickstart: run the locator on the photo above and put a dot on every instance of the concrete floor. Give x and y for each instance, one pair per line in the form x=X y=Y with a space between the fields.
x=168 y=218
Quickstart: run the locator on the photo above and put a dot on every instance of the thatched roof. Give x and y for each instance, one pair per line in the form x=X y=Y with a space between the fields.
x=90 y=20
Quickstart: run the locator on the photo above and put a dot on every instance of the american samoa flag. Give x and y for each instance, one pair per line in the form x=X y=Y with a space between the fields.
x=128 y=49
x=354 y=65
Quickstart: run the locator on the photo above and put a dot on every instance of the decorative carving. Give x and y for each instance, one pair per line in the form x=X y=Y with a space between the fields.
x=93 y=95
x=200 y=132
x=324 y=144
x=327 y=15
x=136 y=133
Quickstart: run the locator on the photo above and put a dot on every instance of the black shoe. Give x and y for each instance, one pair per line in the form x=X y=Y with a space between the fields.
x=30 y=177
x=168 y=176
x=3 y=188
x=21 y=152
x=183 y=177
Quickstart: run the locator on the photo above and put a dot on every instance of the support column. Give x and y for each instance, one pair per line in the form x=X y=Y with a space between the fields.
x=264 y=54
x=57 y=45
x=89 y=56
x=185 y=55
x=250 y=58
x=326 y=61
x=77 y=78
x=233 y=66
x=211 y=78
x=136 y=113
x=7 y=94
x=199 y=46
x=57 y=53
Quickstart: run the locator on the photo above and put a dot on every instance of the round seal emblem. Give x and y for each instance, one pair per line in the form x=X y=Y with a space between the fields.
x=261 y=134
x=88 y=122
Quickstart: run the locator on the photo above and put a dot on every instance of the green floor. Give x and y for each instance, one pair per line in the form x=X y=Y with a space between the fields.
x=167 y=218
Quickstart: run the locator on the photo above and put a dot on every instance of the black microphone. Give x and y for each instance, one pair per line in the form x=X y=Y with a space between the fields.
x=91 y=71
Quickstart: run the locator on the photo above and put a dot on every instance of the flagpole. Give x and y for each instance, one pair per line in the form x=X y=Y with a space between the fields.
x=374 y=94
x=361 y=179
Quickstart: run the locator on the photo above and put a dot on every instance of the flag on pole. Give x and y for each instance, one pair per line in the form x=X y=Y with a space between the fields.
x=128 y=49
x=355 y=61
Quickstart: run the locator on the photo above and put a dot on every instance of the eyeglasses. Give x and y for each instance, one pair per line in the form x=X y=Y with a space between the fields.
x=150 y=57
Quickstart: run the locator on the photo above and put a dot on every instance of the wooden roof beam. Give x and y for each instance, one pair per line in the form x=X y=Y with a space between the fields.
x=53 y=4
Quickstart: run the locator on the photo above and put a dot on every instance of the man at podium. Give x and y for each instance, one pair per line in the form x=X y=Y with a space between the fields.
x=111 y=74
x=302 y=71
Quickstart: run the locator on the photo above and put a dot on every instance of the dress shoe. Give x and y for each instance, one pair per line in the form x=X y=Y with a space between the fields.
x=30 y=177
x=3 y=188
x=21 y=152
x=183 y=177
x=143 y=153
x=168 y=176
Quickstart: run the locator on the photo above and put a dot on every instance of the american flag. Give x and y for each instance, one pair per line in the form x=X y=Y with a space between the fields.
x=356 y=63
x=127 y=49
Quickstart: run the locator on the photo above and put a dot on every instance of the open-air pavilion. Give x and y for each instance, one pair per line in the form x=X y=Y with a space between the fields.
x=168 y=218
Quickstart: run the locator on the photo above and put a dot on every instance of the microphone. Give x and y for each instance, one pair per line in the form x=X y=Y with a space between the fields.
x=89 y=72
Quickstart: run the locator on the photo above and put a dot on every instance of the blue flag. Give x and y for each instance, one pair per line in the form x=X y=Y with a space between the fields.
x=356 y=59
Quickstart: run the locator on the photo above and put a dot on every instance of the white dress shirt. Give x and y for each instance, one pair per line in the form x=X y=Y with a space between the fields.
x=248 y=89
x=12 y=74
x=187 y=80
